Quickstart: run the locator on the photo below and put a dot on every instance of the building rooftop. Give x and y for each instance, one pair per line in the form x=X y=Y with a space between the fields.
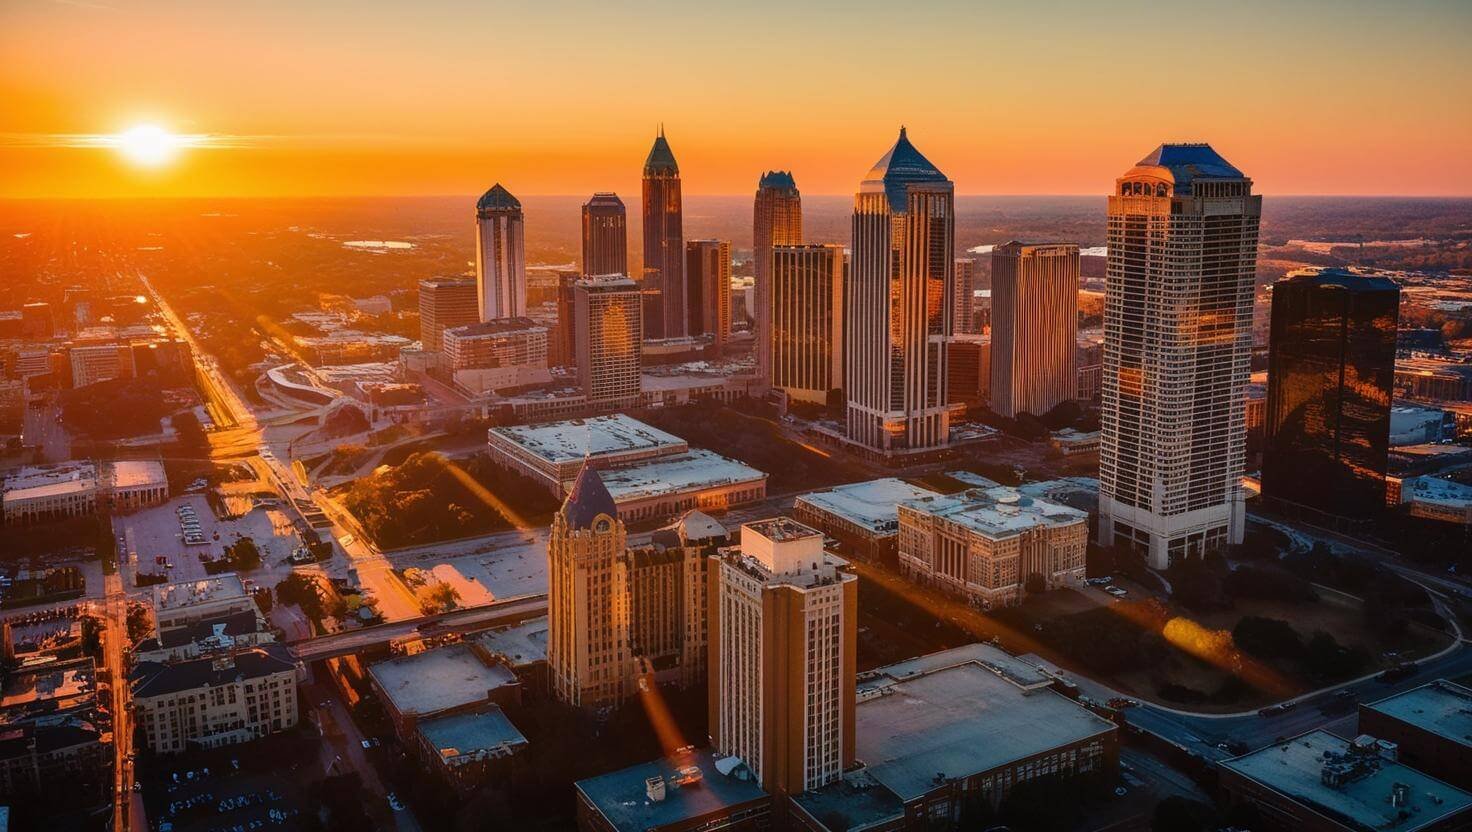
x=221 y=630
x=1440 y=707
x=459 y=678
x=873 y=504
x=498 y=326
x=446 y=282
x=484 y=733
x=590 y=439
x=607 y=282
x=778 y=180
x=50 y=481
x=587 y=500
x=1337 y=278
x=203 y=591
x=1299 y=768
x=673 y=474
x=899 y=168
x=960 y=712
x=150 y=678
x=47 y=689
x=138 y=473
x=522 y=644
x=622 y=796
x=1436 y=491
x=997 y=512
x=661 y=159
x=1182 y=164
x=497 y=199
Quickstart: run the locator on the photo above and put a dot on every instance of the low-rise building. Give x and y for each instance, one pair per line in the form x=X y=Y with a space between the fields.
x=986 y=544
x=523 y=648
x=183 y=603
x=1317 y=782
x=132 y=484
x=1436 y=498
x=466 y=748
x=863 y=515
x=216 y=700
x=971 y=722
x=1070 y=442
x=446 y=680
x=50 y=493
x=691 y=790
x=1431 y=727
x=668 y=486
x=217 y=634
x=64 y=758
x=552 y=453
x=1415 y=424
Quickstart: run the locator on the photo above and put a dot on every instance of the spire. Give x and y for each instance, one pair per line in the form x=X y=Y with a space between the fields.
x=902 y=166
x=587 y=499
x=661 y=159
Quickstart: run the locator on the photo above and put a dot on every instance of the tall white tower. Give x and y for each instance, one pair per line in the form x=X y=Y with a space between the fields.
x=500 y=255
x=1177 y=341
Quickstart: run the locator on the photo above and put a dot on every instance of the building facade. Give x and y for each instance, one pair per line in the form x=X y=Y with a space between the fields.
x=605 y=235
x=782 y=657
x=963 y=315
x=776 y=221
x=217 y=700
x=708 y=289
x=804 y=320
x=445 y=302
x=505 y=342
x=1034 y=327
x=1331 y=376
x=1177 y=341
x=664 y=242
x=500 y=256
x=607 y=336
x=898 y=306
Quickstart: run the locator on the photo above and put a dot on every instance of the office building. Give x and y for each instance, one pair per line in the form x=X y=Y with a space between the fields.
x=897 y=308
x=668 y=588
x=500 y=256
x=664 y=241
x=969 y=369
x=1431 y=727
x=1318 y=782
x=692 y=789
x=605 y=235
x=50 y=493
x=463 y=682
x=186 y=603
x=607 y=343
x=987 y=545
x=1177 y=340
x=864 y=516
x=708 y=290
x=492 y=355
x=1331 y=375
x=468 y=749
x=215 y=700
x=99 y=362
x=804 y=320
x=52 y=747
x=1034 y=327
x=445 y=302
x=782 y=657
x=963 y=315
x=776 y=221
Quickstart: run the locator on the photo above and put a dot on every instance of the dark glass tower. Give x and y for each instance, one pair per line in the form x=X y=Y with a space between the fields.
x=664 y=242
x=605 y=236
x=1331 y=366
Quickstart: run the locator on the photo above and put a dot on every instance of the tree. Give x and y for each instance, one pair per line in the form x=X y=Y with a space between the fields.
x=1267 y=638
x=243 y=554
x=1327 y=659
x=1179 y=814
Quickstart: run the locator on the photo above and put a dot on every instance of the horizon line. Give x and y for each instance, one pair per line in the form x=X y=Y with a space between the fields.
x=472 y=196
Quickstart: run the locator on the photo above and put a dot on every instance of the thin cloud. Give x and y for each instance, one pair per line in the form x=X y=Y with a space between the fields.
x=110 y=140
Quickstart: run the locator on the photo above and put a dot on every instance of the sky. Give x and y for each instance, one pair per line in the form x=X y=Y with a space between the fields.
x=369 y=97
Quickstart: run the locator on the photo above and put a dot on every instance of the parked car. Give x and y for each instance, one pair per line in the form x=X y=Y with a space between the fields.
x=1117 y=592
x=393 y=801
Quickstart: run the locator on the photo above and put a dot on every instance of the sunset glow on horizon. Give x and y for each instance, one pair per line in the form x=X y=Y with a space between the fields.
x=373 y=99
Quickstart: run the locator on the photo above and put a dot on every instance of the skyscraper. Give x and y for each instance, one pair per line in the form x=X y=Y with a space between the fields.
x=708 y=289
x=588 y=655
x=445 y=302
x=500 y=255
x=1331 y=373
x=1177 y=336
x=898 y=307
x=963 y=318
x=782 y=642
x=805 y=321
x=607 y=320
x=1034 y=327
x=605 y=235
x=664 y=239
x=776 y=221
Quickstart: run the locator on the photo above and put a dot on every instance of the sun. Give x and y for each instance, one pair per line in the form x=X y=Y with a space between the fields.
x=148 y=145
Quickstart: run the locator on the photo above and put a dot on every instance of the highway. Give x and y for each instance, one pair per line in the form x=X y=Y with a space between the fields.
x=472 y=618
x=115 y=643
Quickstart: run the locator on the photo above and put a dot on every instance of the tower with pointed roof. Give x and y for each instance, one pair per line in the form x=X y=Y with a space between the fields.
x=588 y=658
x=776 y=221
x=664 y=243
x=1182 y=237
x=500 y=255
x=898 y=305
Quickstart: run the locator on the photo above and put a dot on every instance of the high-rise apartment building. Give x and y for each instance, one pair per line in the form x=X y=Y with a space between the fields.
x=445 y=302
x=588 y=656
x=1034 y=327
x=963 y=315
x=605 y=235
x=500 y=256
x=782 y=657
x=898 y=305
x=1331 y=374
x=607 y=322
x=708 y=289
x=805 y=320
x=664 y=240
x=776 y=221
x=1177 y=339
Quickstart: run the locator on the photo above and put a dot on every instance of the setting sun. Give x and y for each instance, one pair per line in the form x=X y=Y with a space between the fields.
x=148 y=145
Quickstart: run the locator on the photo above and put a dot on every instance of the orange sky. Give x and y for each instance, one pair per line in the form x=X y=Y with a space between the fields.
x=447 y=96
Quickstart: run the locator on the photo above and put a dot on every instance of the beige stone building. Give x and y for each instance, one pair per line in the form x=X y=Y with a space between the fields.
x=216 y=700
x=983 y=544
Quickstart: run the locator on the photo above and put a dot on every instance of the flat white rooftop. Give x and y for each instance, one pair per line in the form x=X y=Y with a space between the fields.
x=522 y=644
x=138 y=473
x=1441 y=707
x=190 y=593
x=873 y=504
x=998 y=512
x=575 y=439
x=1429 y=489
x=50 y=481
x=691 y=471
x=1294 y=768
x=439 y=679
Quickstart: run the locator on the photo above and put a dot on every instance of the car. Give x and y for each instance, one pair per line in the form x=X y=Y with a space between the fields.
x=1271 y=710
x=1346 y=695
x=1104 y=580
x=393 y=801
x=1120 y=791
x=1117 y=592
x=371 y=742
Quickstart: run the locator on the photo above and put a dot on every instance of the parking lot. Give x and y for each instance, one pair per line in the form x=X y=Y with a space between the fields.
x=158 y=532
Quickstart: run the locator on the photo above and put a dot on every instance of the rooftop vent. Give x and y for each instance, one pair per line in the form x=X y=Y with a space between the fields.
x=654 y=789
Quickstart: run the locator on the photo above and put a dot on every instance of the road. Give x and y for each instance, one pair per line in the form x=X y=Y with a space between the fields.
x=115 y=643
x=354 y=641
